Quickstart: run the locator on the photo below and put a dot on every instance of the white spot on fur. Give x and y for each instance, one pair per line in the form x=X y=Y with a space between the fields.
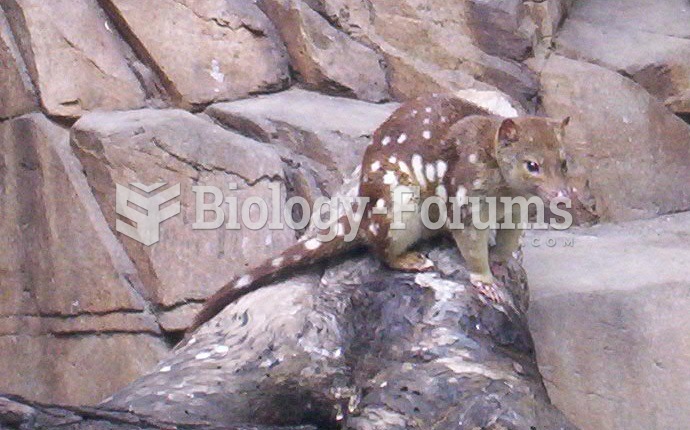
x=426 y=135
x=404 y=168
x=374 y=228
x=312 y=244
x=165 y=369
x=390 y=178
x=493 y=101
x=427 y=121
x=441 y=169
x=430 y=172
x=402 y=138
x=473 y=158
x=414 y=112
x=277 y=262
x=375 y=166
x=428 y=109
x=444 y=119
x=386 y=140
x=418 y=168
x=380 y=203
x=393 y=159
x=477 y=183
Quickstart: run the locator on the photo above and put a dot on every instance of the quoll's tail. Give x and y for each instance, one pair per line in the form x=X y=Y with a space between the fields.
x=307 y=251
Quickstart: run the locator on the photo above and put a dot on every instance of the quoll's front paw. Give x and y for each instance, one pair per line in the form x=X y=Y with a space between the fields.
x=488 y=287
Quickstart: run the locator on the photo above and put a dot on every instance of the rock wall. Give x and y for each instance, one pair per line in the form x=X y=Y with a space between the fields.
x=278 y=93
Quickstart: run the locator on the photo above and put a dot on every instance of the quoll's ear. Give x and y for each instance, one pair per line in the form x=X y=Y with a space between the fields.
x=508 y=132
x=561 y=130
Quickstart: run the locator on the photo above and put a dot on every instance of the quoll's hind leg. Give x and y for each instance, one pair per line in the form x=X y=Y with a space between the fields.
x=474 y=247
x=392 y=245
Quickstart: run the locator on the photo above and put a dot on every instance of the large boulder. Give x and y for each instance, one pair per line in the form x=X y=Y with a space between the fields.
x=326 y=136
x=73 y=56
x=647 y=41
x=73 y=322
x=445 y=46
x=636 y=152
x=204 y=51
x=174 y=147
x=608 y=316
x=325 y=58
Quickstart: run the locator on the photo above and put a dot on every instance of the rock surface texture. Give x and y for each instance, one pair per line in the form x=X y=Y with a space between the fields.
x=609 y=305
x=358 y=346
x=284 y=95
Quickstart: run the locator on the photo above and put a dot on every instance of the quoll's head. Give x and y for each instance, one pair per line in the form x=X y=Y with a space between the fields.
x=531 y=156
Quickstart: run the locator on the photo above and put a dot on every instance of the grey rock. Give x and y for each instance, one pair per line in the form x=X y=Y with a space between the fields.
x=608 y=316
x=359 y=346
x=658 y=58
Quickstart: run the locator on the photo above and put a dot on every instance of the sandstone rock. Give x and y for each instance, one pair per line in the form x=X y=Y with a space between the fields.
x=79 y=370
x=432 y=47
x=657 y=59
x=608 y=318
x=63 y=274
x=635 y=151
x=76 y=61
x=205 y=50
x=59 y=256
x=175 y=147
x=329 y=133
x=17 y=95
x=325 y=58
x=116 y=322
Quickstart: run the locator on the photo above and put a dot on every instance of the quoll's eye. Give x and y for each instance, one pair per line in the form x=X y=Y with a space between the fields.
x=532 y=166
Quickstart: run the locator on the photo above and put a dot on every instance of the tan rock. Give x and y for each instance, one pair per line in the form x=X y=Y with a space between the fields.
x=206 y=50
x=80 y=370
x=175 y=147
x=59 y=257
x=116 y=322
x=325 y=58
x=608 y=318
x=436 y=46
x=635 y=152
x=17 y=95
x=330 y=133
x=77 y=61
x=658 y=60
